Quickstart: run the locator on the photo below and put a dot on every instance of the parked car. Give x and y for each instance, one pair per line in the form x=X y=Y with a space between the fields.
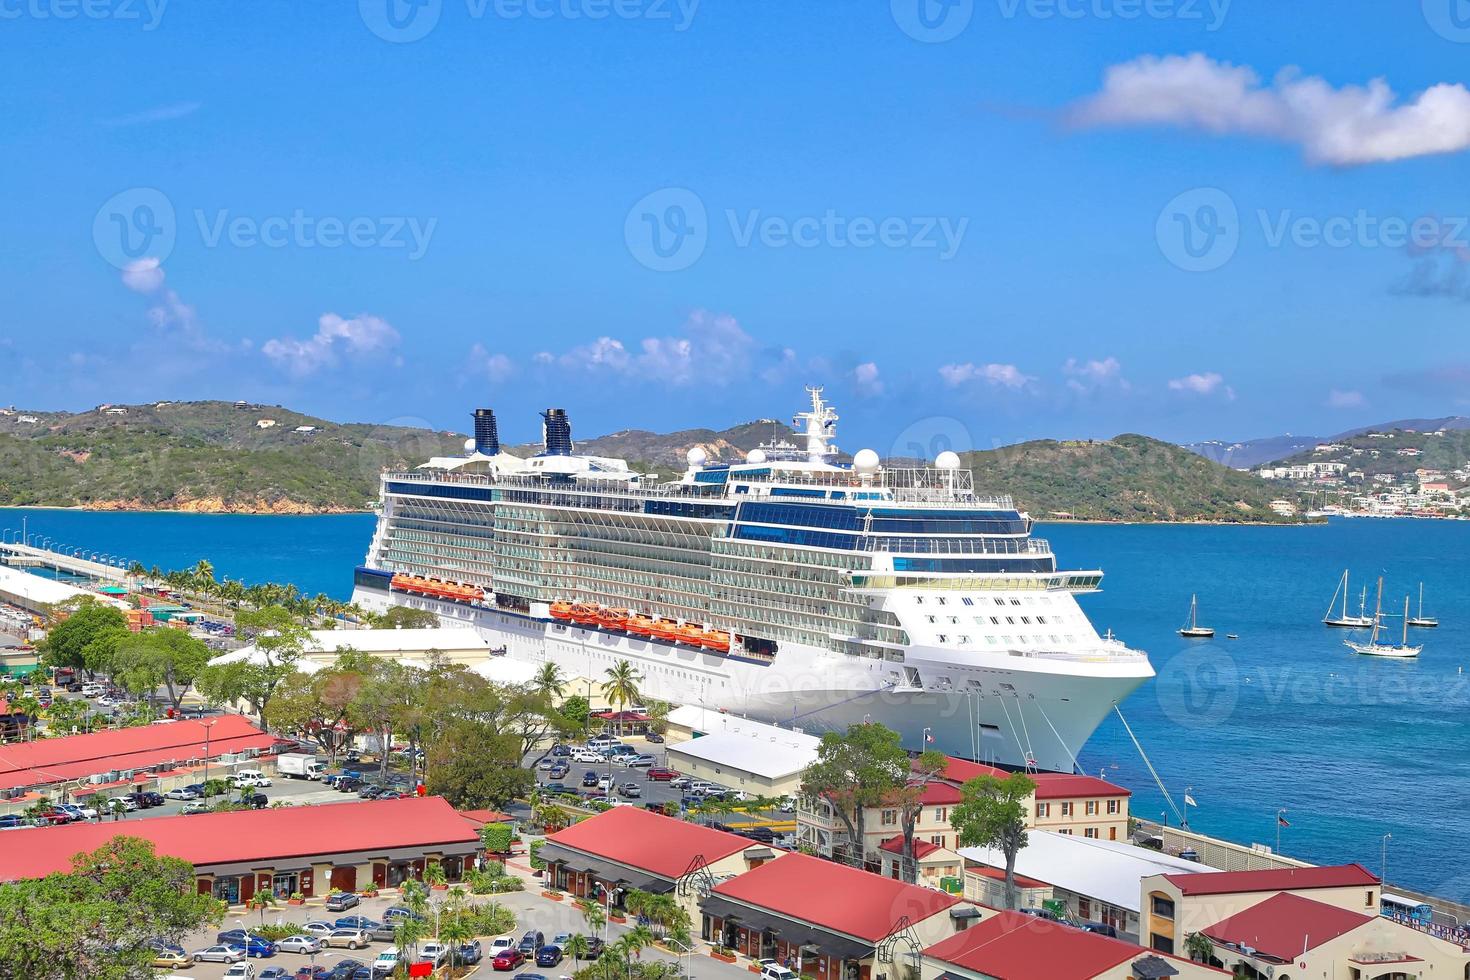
x=507 y=959
x=240 y=971
x=590 y=778
x=501 y=943
x=219 y=954
x=585 y=755
x=299 y=943
x=660 y=774
x=357 y=922
x=1101 y=928
x=312 y=973
x=641 y=762
x=351 y=938
x=681 y=782
x=347 y=784
x=253 y=945
x=274 y=973
x=346 y=969
x=318 y=928
x=531 y=941
x=468 y=954
x=560 y=750
x=198 y=806
x=629 y=790
x=654 y=737
x=386 y=962
x=775 y=971
x=546 y=763
x=605 y=783
x=401 y=912
x=556 y=788
x=258 y=801
x=559 y=771
x=342 y=901
x=171 y=958
x=548 y=956
x=595 y=946
x=181 y=793
x=435 y=953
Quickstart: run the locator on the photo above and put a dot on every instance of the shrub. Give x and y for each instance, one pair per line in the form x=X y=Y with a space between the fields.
x=496 y=837
x=536 y=861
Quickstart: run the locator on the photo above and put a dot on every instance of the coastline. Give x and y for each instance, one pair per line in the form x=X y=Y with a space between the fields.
x=292 y=510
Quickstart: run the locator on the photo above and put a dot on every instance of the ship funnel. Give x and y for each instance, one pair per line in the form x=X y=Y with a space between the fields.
x=487 y=437
x=556 y=432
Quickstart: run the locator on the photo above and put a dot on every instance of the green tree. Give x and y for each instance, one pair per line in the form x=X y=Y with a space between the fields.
x=165 y=657
x=621 y=686
x=549 y=681
x=87 y=618
x=405 y=617
x=496 y=837
x=909 y=799
x=1199 y=948
x=319 y=707
x=992 y=813
x=576 y=710
x=577 y=947
x=94 y=922
x=279 y=642
x=854 y=770
x=473 y=767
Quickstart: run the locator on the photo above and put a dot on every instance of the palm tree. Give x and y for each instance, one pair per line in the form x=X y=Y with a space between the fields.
x=453 y=929
x=577 y=947
x=1199 y=948
x=595 y=916
x=549 y=681
x=621 y=686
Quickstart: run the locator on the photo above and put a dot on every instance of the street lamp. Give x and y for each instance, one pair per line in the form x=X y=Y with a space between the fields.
x=207 y=726
x=1383 y=868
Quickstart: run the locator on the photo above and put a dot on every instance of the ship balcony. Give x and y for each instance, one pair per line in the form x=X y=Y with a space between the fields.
x=956 y=546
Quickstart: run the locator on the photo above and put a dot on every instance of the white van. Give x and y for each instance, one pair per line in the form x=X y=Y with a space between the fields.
x=93 y=690
x=386 y=962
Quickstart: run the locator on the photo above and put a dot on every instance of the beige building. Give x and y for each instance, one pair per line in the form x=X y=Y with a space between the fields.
x=1174 y=906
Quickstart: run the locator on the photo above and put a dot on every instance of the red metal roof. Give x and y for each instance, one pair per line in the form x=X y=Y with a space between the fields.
x=963 y=770
x=922 y=848
x=649 y=841
x=1285 y=925
x=479 y=818
x=999 y=874
x=1012 y=946
x=260 y=837
x=1062 y=786
x=1273 y=880
x=77 y=756
x=834 y=896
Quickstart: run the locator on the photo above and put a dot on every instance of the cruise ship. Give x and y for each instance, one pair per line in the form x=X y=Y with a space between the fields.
x=791 y=586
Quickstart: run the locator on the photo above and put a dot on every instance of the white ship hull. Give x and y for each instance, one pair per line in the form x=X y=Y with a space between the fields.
x=1037 y=713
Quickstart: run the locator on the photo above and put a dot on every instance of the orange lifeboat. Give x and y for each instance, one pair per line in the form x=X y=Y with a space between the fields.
x=561 y=610
x=664 y=629
x=584 y=614
x=715 y=640
x=614 y=619
x=639 y=625
x=688 y=634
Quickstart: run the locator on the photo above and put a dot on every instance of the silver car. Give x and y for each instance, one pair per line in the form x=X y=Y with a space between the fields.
x=300 y=944
x=223 y=953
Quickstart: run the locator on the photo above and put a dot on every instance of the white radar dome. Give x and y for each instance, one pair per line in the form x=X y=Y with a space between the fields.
x=866 y=461
x=756 y=456
x=469 y=445
x=696 y=456
x=948 y=460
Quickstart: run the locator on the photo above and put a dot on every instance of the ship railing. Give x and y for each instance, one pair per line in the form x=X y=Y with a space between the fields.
x=958 y=546
x=1103 y=653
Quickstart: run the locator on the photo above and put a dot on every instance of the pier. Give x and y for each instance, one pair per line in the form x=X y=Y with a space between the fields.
x=18 y=555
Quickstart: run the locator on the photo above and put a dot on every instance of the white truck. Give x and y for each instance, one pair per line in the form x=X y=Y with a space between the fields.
x=298 y=765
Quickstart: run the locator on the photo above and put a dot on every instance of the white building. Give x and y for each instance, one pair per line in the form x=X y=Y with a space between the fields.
x=36 y=593
x=765 y=760
x=412 y=648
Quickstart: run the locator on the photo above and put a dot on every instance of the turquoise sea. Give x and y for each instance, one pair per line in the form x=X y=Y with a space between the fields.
x=1284 y=717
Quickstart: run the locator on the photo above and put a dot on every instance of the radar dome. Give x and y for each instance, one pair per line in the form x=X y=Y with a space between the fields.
x=948 y=460
x=696 y=456
x=756 y=456
x=866 y=461
x=469 y=445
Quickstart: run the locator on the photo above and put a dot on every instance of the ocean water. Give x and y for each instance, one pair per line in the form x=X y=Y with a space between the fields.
x=1285 y=717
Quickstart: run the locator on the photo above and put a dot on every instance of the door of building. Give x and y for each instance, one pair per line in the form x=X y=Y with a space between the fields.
x=344 y=879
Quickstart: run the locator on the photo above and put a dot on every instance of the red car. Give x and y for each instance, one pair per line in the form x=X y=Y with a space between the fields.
x=661 y=775
x=508 y=959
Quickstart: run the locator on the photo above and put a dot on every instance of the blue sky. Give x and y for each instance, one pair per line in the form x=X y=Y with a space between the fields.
x=999 y=220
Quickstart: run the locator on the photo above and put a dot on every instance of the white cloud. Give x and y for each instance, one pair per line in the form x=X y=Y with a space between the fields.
x=1204 y=383
x=496 y=367
x=1345 y=399
x=1354 y=124
x=163 y=113
x=143 y=275
x=712 y=350
x=865 y=378
x=362 y=334
x=1087 y=376
x=995 y=375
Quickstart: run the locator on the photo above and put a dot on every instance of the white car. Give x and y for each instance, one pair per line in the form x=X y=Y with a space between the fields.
x=498 y=945
x=251 y=779
x=121 y=803
x=241 y=971
x=386 y=962
x=605 y=783
x=585 y=755
x=319 y=929
x=436 y=953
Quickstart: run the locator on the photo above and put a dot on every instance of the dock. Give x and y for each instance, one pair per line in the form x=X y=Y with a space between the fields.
x=18 y=555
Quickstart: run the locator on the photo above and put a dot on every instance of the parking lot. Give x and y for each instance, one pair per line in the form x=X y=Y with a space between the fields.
x=532 y=911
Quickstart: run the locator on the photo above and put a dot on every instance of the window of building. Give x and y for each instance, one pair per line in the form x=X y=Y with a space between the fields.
x=1163 y=944
x=1043 y=810
x=939 y=814
x=1113 y=806
x=968 y=601
x=937 y=840
x=1066 y=809
x=1162 y=906
x=1092 y=808
x=889 y=818
x=1090 y=832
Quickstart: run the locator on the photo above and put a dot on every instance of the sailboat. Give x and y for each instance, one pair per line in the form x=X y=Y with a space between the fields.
x=1360 y=621
x=1375 y=649
x=1422 y=621
x=1192 y=628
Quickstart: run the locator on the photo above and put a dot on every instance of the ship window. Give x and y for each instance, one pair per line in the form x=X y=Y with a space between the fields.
x=918 y=600
x=990 y=639
x=941 y=600
x=932 y=619
x=1000 y=602
x=1015 y=602
x=1011 y=620
x=995 y=620
x=1070 y=639
x=941 y=638
x=1026 y=620
x=964 y=639
x=955 y=620
x=968 y=601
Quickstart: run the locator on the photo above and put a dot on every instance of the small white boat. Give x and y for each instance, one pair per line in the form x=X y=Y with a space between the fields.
x=1375 y=649
x=1422 y=621
x=1192 y=628
x=1360 y=621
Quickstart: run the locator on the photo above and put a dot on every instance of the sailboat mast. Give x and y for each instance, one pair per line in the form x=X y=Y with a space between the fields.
x=1421 y=601
x=1406 y=620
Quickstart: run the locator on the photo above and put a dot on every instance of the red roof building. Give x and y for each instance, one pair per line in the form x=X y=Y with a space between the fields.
x=645 y=841
x=1274 y=880
x=1062 y=785
x=307 y=849
x=51 y=761
x=826 y=917
x=1285 y=926
x=1012 y=946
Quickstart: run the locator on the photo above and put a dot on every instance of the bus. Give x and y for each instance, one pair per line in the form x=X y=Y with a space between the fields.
x=1402 y=909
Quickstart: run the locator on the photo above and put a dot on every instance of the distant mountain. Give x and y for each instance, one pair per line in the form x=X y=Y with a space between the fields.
x=1250 y=453
x=207 y=456
x=1127 y=478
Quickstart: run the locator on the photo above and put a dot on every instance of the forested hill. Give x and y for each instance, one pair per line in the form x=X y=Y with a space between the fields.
x=1127 y=478
x=207 y=456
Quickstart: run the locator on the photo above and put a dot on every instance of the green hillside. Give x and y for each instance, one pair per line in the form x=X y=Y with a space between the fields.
x=1127 y=478
x=208 y=456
